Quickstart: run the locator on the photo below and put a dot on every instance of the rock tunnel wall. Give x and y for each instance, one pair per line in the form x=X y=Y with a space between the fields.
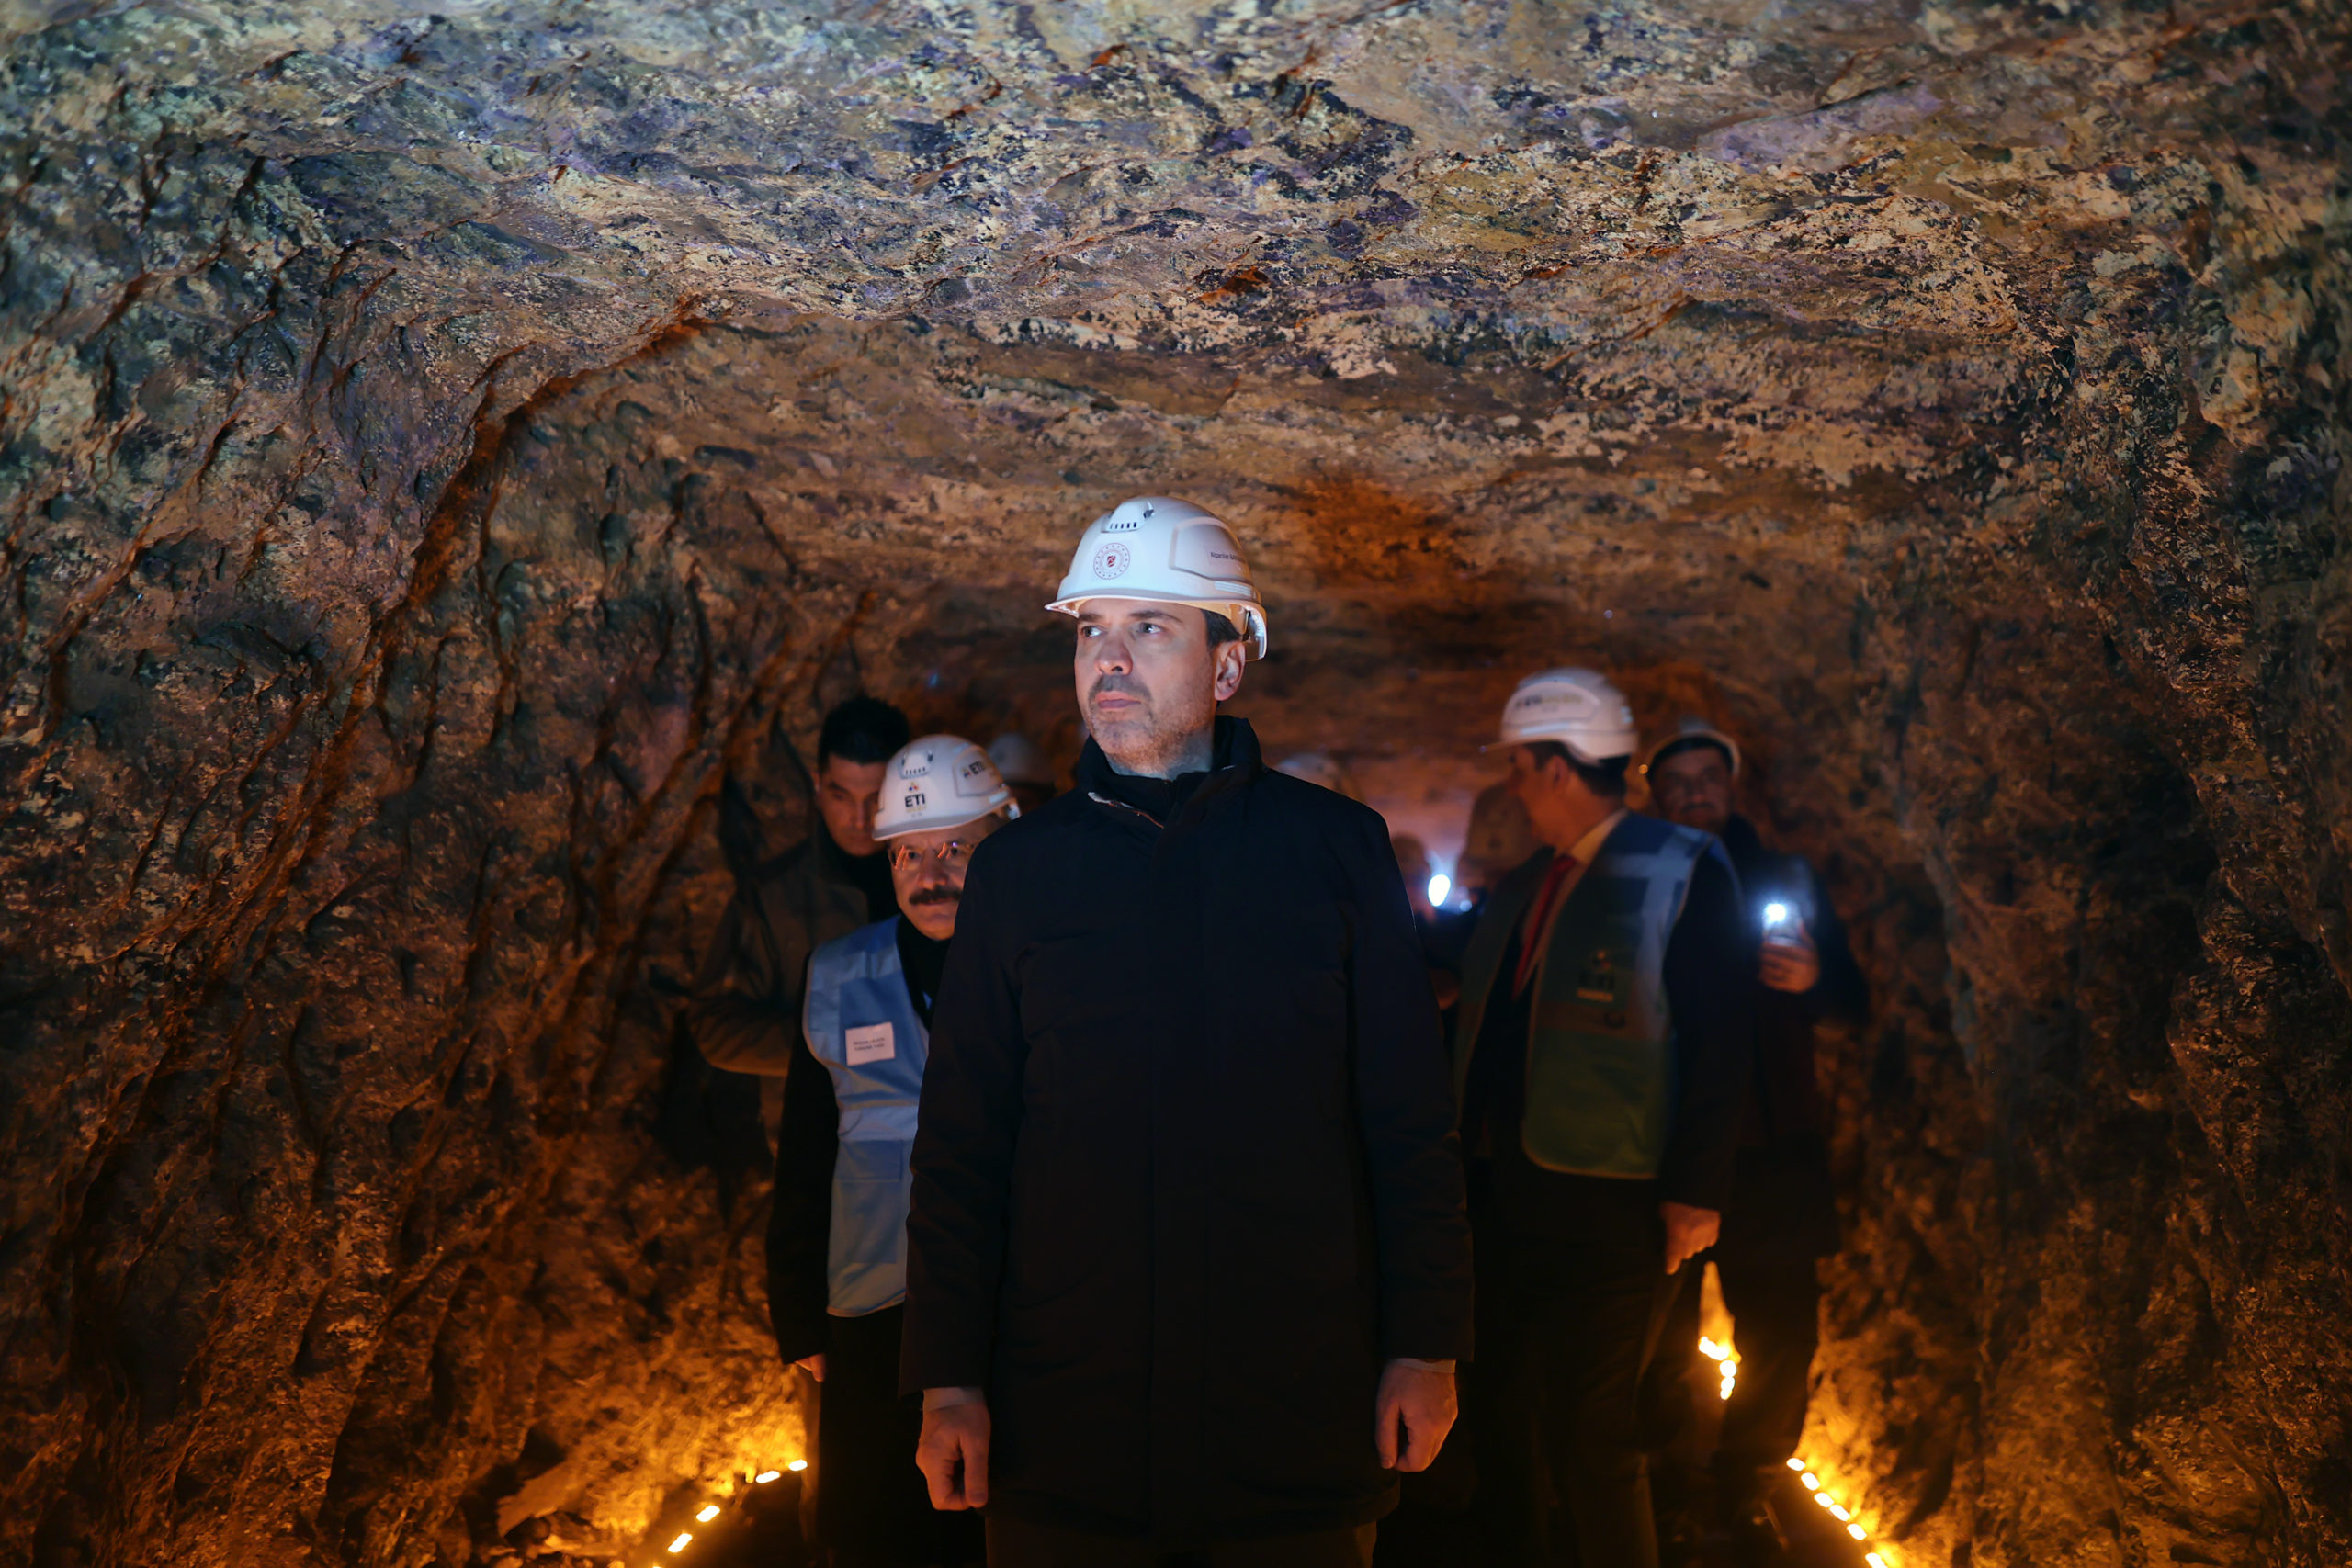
x=440 y=448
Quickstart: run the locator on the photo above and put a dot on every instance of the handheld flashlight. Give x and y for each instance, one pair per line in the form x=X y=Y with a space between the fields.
x=1776 y=915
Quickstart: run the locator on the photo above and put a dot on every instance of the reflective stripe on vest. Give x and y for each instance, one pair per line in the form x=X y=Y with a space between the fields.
x=861 y=1025
x=1599 y=1088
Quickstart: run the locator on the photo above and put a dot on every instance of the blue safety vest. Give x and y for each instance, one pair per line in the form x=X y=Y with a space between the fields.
x=861 y=1025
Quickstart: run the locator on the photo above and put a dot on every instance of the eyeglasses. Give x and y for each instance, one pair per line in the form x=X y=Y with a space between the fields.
x=954 y=853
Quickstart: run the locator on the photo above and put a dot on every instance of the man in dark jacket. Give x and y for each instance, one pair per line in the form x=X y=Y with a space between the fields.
x=1187 y=1263
x=1601 y=1049
x=746 y=1011
x=1783 y=1217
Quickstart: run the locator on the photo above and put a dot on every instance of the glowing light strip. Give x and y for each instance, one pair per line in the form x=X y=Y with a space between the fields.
x=1725 y=1357
x=711 y=1511
x=1838 y=1510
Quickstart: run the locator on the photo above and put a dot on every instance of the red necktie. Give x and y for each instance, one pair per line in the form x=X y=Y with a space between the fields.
x=1539 y=915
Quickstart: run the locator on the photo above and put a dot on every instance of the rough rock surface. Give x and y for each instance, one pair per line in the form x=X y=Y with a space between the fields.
x=437 y=445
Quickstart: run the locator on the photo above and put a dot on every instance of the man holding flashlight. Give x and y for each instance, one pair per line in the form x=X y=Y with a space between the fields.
x=1783 y=1216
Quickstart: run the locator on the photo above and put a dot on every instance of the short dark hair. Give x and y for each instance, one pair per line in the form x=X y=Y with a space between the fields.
x=863 y=729
x=1692 y=743
x=1605 y=778
x=1221 y=630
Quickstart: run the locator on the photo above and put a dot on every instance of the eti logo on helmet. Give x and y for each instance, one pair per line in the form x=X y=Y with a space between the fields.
x=1111 y=559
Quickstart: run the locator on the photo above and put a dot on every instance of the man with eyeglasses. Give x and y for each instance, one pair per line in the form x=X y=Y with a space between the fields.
x=837 y=1250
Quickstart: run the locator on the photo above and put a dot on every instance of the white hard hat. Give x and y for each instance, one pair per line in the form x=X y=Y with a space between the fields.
x=1152 y=548
x=1019 y=761
x=940 y=781
x=1578 y=708
x=1690 y=727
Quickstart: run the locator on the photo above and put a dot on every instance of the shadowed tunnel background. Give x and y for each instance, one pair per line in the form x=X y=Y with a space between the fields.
x=439 y=445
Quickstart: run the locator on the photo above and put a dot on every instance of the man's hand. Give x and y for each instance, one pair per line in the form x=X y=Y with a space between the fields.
x=953 y=1454
x=1421 y=1401
x=813 y=1365
x=1790 y=962
x=1689 y=1231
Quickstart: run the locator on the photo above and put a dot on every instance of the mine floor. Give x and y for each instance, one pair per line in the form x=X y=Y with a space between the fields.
x=768 y=1535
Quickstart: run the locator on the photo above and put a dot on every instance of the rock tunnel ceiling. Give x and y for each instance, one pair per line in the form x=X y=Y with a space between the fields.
x=440 y=447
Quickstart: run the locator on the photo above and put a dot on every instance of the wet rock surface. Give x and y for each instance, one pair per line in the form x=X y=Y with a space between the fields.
x=436 y=449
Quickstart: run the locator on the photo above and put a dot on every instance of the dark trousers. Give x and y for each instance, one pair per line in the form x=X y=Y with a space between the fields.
x=873 y=1509
x=1016 y=1543
x=1775 y=1304
x=1570 y=1298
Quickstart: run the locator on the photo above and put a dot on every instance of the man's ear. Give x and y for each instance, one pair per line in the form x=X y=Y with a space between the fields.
x=1229 y=659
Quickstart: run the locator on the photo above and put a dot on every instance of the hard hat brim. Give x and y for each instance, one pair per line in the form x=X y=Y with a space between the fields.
x=1251 y=623
x=1007 y=805
x=1589 y=759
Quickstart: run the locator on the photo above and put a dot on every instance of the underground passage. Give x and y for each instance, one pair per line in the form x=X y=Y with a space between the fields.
x=478 y=476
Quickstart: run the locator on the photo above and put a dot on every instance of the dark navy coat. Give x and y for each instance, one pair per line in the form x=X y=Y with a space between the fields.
x=1185 y=1175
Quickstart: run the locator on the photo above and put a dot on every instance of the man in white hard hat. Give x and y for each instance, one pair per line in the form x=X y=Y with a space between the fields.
x=1187 y=1265
x=1601 y=1050
x=837 y=1252
x=1783 y=1216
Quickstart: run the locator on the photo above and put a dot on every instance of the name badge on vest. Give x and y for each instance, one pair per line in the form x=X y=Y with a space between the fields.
x=1602 y=980
x=870 y=1043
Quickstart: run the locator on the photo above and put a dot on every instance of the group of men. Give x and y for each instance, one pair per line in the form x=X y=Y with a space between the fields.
x=1126 y=1184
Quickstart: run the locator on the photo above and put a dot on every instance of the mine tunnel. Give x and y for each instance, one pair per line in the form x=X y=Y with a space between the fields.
x=453 y=457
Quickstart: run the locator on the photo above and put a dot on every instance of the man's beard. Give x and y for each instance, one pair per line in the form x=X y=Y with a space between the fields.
x=934 y=895
x=1152 y=738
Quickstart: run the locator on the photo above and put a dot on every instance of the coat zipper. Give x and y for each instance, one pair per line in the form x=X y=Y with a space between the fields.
x=1122 y=805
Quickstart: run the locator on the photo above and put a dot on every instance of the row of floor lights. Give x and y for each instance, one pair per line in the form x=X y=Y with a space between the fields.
x=711 y=1511
x=1838 y=1510
x=1725 y=1357
x=1728 y=1358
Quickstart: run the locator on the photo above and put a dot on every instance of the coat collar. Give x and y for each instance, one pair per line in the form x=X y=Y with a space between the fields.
x=1236 y=761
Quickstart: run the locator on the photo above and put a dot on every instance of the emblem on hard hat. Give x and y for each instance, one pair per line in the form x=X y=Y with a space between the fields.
x=1111 y=559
